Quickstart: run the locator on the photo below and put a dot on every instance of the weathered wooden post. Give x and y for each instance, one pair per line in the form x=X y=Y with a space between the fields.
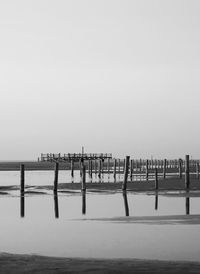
x=187 y=172
x=72 y=168
x=22 y=179
x=131 y=170
x=180 y=168
x=156 y=178
x=197 y=170
x=119 y=167
x=56 y=168
x=108 y=166
x=164 y=168
x=83 y=177
x=100 y=167
x=114 y=169
x=147 y=170
x=126 y=172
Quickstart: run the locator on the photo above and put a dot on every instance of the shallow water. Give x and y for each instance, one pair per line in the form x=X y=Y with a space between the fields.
x=56 y=226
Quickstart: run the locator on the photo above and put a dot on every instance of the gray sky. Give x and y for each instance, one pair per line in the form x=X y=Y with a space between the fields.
x=114 y=76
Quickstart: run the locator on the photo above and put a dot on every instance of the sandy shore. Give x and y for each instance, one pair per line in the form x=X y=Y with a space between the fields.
x=10 y=263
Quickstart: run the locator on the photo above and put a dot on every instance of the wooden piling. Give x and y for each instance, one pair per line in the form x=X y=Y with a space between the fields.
x=114 y=169
x=72 y=168
x=131 y=170
x=156 y=178
x=187 y=172
x=147 y=170
x=197 y=170
x=164 y=168
x=100 y=168
x=83 y=177
x=124 y=185
x=22 y=178
x=180 y=168
x=56 y=168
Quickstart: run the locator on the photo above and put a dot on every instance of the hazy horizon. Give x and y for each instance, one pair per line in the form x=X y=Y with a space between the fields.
x=113 y=76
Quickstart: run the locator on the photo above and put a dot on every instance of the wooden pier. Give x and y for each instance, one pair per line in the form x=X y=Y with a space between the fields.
x=76 y=157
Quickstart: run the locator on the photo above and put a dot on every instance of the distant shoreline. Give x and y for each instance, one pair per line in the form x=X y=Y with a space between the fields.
x=13 y=263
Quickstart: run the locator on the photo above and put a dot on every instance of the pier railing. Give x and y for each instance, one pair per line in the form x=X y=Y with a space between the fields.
x=51 y=157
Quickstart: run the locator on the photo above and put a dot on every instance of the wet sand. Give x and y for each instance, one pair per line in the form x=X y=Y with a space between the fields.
x=10 y=263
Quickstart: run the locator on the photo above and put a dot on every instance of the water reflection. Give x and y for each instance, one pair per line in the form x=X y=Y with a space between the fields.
x=126 y=203
x=156 y=200
x=83 y=202
x=187 y=206
x=102 y=204
x=22 y=206
x=56 y=209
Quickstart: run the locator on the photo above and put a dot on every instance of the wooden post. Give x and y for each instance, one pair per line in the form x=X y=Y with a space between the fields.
x=100 y=167
x=147 y=170
x=197 y=170
x=22 y=178
x=56 y=167
x=126 y=172
x=108 y=167
x=72 y=168
x=164 y=168
x=180 y=168
x=187 y=172
x=119 y=167
x=156 y=178
x=114 y=169
x=83 y=177
x=131 y=170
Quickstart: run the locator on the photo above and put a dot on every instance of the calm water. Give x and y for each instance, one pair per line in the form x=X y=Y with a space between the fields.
x=58 y=226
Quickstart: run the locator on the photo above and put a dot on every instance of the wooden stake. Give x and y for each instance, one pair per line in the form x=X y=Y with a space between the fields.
x=180 y=168
x=197 y=170
x=83 y=201
x=126 y=172
x=156 y=178
x=83 y=183
x=147 y=170
x=72 y=168
x=187 y=172
x=56 y=168
x=56 y=205
x=22 y=178
x=164 y=168
x=114 y=169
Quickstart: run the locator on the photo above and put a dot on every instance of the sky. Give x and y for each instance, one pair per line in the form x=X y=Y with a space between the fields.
x=116 y=76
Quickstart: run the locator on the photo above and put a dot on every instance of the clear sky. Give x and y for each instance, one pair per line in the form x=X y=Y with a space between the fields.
x=120 y=76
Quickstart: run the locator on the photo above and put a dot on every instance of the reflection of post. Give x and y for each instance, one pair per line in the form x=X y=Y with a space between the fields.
x=126 y=170
x=126 y=203
x=187 y=205
x=22 y=202
x=56 y=205
x=72 y=169
x=156 y=200
x=83 y=202
x=187 y=172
